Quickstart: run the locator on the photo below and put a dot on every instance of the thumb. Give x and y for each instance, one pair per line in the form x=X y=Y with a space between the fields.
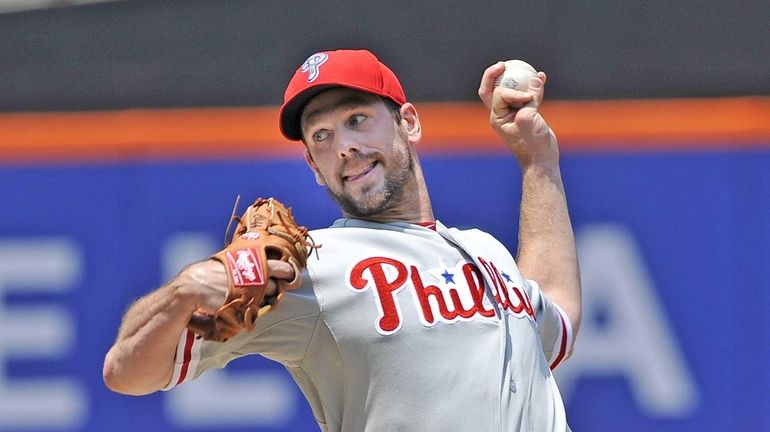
x=500 y=104
x=280 y=269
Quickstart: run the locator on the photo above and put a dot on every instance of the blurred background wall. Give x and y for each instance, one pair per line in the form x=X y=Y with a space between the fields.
x=239 y=52
x=127 y=128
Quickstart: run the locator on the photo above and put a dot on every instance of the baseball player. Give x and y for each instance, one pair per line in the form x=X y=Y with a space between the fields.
x=399 y=322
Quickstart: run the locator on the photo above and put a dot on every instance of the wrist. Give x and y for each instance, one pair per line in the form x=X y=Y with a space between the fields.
x=539 y=151
x=182 y=296
x=202 y=286
x=184 y=289
x=545 y=164
x=541 y=171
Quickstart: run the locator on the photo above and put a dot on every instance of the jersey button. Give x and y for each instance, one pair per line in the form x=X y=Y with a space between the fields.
x=513 y=387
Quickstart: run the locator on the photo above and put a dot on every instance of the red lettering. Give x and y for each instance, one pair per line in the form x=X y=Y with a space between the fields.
x=524 y=303
x=390 y=319
x=459 y=309
x=476 y=286
x=424 y=292
x=388 y=276
x=501 y=297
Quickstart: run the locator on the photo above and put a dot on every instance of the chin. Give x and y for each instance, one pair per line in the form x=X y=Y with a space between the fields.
x=373 y=198
x=365 y=205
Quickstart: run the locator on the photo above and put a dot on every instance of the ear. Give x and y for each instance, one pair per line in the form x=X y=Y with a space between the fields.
x=410 y=121
x=311 y=163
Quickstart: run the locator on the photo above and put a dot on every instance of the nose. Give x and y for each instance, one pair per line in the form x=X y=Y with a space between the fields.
x=347 y=145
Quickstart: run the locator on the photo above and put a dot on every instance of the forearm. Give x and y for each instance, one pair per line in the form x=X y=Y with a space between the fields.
x=547 y=252
x=142 y=359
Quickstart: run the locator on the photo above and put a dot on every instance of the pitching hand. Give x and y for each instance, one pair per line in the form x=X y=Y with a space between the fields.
x=515 y=117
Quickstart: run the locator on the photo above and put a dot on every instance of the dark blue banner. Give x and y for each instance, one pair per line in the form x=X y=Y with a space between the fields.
x=673 y=247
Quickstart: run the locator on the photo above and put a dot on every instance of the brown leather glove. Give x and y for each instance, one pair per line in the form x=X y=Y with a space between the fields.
x=266 y=230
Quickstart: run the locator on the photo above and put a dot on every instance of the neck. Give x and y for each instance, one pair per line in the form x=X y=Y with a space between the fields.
x=422 y=212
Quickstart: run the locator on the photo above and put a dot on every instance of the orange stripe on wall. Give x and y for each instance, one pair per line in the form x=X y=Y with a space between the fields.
x=647 y=125
x=623 y=124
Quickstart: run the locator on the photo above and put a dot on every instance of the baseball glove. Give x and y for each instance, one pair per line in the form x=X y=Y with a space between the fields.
x=266 y=230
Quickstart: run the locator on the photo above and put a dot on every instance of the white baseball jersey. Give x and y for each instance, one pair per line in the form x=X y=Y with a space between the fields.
x=399 y=327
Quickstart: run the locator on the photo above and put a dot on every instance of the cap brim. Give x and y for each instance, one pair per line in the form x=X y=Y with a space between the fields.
x=291 y=113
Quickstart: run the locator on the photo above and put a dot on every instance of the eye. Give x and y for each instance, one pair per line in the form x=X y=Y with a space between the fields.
x=320 y=136
x=357 y=119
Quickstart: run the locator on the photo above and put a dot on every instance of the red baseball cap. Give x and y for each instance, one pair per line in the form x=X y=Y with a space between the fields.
x=356 y=69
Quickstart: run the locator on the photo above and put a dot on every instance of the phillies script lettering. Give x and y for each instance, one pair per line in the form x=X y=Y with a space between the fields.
x=461 y=301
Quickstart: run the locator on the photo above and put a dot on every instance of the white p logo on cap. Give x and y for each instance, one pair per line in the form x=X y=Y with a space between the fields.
x=313 y=64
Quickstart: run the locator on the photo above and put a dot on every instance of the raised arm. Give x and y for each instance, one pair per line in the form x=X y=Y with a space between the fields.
x=547 y=251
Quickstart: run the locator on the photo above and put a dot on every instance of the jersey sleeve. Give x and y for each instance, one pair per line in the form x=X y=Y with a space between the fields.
x=283 y=335
x=554 y=326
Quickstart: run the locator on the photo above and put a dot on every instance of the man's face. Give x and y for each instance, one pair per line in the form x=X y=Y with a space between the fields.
x=358 y=151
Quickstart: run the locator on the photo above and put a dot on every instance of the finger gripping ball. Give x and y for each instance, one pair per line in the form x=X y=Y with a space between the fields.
x=516 y=76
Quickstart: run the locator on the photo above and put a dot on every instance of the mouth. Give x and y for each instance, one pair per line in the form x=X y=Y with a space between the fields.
x=360 y=174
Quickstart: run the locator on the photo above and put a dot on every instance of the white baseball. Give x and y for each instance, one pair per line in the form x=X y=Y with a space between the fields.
x=516 y=75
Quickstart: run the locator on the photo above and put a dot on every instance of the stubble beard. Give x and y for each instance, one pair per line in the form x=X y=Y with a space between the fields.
x=376 y=201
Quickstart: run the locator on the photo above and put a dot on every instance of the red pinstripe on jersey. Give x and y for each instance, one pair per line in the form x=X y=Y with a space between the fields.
x=564 y=341
x=563 y=345
x=190 y=339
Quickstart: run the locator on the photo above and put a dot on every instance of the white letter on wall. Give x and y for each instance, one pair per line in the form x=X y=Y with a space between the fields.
x=637 y=341
x=44 y=265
